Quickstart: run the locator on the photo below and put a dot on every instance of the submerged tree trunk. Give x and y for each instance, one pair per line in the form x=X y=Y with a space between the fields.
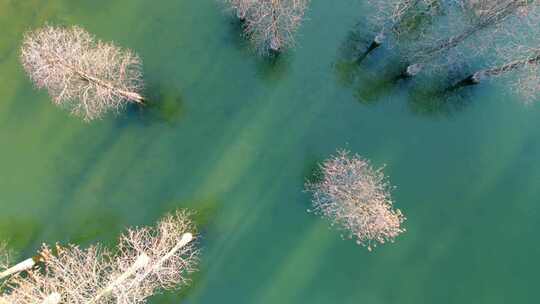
x=131 y=96
x=377 y=42
x=480 y=76
x=411 y=71
x=275 y=41
x=402 y=10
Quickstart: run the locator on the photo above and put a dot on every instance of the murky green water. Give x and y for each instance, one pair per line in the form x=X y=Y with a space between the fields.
x=234 y=137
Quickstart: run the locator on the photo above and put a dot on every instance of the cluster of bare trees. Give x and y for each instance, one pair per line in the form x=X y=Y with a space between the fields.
x=356 y=197
x=271 y=25
x=146 y=260
x=460 y=31
x=483 y=20
x=517 y=56
x=88 y=77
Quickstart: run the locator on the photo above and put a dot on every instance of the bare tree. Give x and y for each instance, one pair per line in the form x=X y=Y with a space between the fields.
x=529 y=64
x=87 y=76
x=147 y=260
x=356 y=197
x=515 y=56
x=271 y=24
x=391 y=16
x=487 y=17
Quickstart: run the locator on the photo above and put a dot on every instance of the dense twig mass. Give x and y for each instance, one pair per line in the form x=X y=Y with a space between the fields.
x=391 y=16
x=270 y=24
x=356 y=197
x=483 y=20
x=148 y=259
x=87 y=76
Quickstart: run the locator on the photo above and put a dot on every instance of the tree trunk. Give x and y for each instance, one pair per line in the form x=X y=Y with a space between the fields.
x=470 y=80
x=377 y=42
x=131 y=96
x=275 y=40
x=411 y=71
x=479 y=76
x=22 y=266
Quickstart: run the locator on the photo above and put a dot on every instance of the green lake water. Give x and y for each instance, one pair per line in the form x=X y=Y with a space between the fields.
x=234 y=137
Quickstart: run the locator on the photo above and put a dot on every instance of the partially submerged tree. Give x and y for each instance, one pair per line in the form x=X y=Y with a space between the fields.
x=515 y=57
x=88 y=77
x=480 y=19
x=392 y=15
x=356 y=197
x=529 y=84
x=148 y=259
x=270 y=24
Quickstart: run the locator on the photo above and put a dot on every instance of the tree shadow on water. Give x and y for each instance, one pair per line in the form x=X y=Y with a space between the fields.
x=272 y=67
x=235 y=35
x=370 y=85
x=434 y=96
x=312 y=174
x=379 y=75
x=372 y=77
x=163 y=104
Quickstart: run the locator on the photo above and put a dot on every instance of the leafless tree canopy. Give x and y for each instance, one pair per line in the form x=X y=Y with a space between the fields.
x=514 y=53
x=472 y=28
x=356 y=197
x=87 y=76
x=270 y=24
x=525 y=79
x=391 y=14
x=396 y=17
x=148 y=259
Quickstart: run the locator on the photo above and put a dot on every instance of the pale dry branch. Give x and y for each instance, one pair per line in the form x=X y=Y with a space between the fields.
x=272 y=24
x=356 y=197
x=390 y=15
x=515 y=57
x=88 y=77
x=400 y=21
x=148 y=259
x=489 y=20
x=525 y=79
x=172 y=257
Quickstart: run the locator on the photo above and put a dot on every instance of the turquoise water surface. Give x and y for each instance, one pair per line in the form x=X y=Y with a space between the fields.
x=234 y=137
